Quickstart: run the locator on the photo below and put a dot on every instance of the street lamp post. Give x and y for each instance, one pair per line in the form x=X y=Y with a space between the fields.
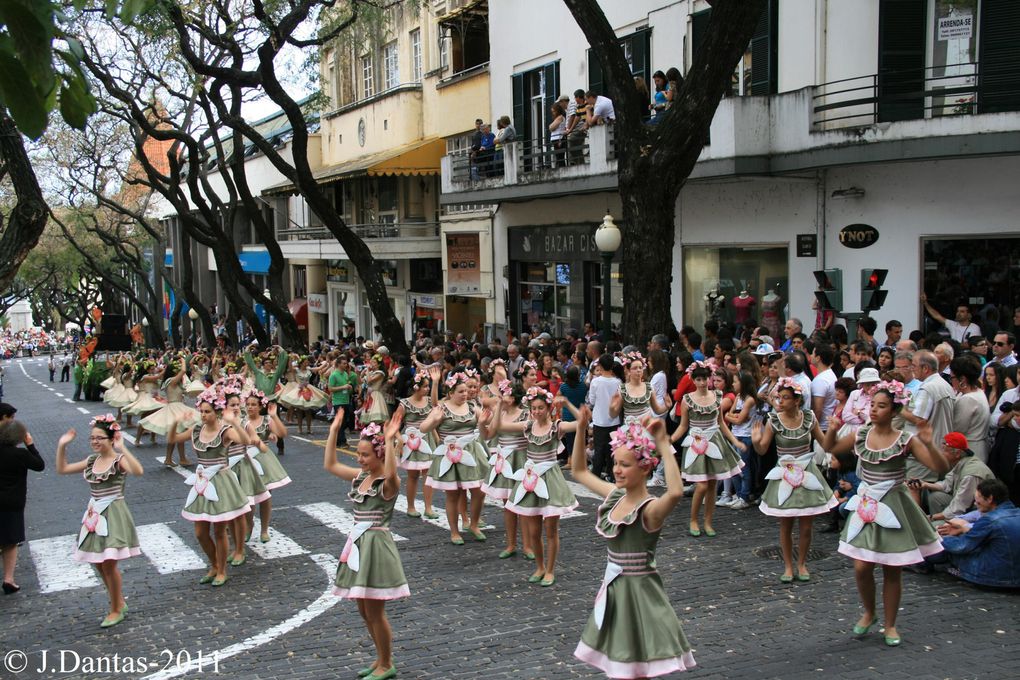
x=145 y=329
x=193 y=315
x=607 y=240
x=269 y=319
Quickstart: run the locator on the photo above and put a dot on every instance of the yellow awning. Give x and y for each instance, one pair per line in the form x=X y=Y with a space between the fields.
x=418 y=158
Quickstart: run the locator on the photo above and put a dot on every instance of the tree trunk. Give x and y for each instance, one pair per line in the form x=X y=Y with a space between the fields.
x=27 y=219
x=647 y=258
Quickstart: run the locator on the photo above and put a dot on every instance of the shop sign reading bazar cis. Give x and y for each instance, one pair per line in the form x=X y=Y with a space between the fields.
x=858 y=235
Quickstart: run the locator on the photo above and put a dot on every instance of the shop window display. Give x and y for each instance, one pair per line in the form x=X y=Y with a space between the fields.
x=741 y=287
x=981 y=272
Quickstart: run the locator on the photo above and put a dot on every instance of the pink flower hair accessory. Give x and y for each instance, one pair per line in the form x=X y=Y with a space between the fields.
x=420 y=378
x=258 y=394
x=496 y=362
x=897 y=390
x=635 y=356
x=372 y=433
x=792 y=385
x=505 y=387
x=456 y=377
x=214 y=397
x=696 y=364
x=538 y=393
x=107 y=421
x=635 y=438
x=525 y=365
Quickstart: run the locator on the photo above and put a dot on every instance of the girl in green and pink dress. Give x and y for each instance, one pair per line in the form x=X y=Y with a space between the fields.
x=370 y=570
x=540 y=494
x=796 y=487
x=633 y=631
x=460 y=461
x=416 y=453
x=710 y=449
x=885 y=526
x=107 y=532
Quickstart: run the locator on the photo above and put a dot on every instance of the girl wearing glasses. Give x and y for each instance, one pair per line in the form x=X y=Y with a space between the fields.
x=107 y=532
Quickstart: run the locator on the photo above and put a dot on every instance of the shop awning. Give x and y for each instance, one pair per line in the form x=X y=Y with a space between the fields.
x=298 y=308
x=419 y=158
x=254 y=261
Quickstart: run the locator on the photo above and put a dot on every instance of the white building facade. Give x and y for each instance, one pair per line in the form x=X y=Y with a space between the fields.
x=866 y=134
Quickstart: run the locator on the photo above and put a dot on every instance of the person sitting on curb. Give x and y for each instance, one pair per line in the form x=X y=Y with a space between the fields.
x=954 y=495
x=986 y=552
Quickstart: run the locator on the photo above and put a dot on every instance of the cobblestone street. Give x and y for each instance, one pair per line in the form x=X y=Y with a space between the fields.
x=470 y=615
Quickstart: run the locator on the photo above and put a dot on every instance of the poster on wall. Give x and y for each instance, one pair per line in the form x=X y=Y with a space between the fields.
x=463 y=259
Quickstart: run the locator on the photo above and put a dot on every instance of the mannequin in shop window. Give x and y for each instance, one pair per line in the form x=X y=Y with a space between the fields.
x=743 y=308
x=714 y=304
x=771 y=305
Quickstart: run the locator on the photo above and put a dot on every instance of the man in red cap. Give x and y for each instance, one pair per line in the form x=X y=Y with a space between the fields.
x=954 y=495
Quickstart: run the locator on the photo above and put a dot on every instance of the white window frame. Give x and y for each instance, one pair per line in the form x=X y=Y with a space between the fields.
x=367 y=76
x=391 y=65
x=416 y=55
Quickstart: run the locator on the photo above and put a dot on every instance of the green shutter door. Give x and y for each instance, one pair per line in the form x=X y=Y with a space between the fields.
x=999 y=57
x=901 y=59
x=699 y=29
x=595 y=82
x=520 y=107
x=764 y=52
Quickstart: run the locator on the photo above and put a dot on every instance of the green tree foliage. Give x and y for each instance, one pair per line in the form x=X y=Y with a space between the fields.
x=40 y=64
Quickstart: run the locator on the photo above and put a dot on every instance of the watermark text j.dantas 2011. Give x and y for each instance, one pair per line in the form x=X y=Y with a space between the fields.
x=57 y=661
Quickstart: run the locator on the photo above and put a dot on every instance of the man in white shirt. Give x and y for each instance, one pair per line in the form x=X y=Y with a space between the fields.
x=1002 y=348
x=795 y=366
x=602 y=111
x=600 y=395
x=823 y=386
x=513 y=352
x=959 y=329
x=933 y=404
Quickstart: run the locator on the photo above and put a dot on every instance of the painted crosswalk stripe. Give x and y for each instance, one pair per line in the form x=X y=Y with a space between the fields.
x=334 y=517
x=55 y=567
x=278 y=546
x=166 y=550
x=441 y=521
x=59 y=395
x=182 y=471
x=581 y=491
x=83 y=410
x=69 y=401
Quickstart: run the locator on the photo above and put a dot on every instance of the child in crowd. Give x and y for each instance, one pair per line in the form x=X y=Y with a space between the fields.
x=844 y=465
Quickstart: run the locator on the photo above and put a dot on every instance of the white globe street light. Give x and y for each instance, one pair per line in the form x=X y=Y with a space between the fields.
x=607 y=240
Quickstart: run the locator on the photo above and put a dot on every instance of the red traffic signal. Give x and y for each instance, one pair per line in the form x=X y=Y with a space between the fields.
x=872 y=294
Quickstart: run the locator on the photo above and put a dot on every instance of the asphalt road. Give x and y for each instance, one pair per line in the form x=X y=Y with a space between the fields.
x=470 y=615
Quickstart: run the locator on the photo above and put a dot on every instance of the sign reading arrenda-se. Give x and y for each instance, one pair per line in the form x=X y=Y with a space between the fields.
x=858 y=235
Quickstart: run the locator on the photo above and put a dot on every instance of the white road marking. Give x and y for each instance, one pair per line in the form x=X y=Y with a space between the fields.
x=166 y=550
x=128 y=437
x=55 y=567
x=58 y=394
x=278 y=546
x=335 y=517
x=69 y=401
x=581 y=491
x=323 y=603
x=83 y=410
x=182 y=471
x=441 y=521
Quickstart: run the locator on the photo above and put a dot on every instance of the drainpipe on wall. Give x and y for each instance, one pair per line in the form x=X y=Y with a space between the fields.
x=820 y=214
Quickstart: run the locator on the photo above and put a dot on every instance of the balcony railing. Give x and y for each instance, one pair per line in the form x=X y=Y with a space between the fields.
x=529 y=161
x=953 y=90
x=377 y=230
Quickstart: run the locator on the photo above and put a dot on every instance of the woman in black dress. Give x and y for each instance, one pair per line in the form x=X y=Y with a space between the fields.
x=15 y=462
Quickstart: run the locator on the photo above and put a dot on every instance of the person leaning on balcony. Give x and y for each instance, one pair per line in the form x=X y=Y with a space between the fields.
x=557 y=129
x=577 y=127
x=487 y=152
x=505 y=135
x=675 y=82
x=601 y=108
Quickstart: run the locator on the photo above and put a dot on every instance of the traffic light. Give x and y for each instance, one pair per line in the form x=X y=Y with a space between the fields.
x=872 y=294
x=830 y=289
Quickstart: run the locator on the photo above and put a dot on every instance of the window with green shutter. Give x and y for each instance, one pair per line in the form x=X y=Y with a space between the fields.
x=901 y=59
x=999 y=56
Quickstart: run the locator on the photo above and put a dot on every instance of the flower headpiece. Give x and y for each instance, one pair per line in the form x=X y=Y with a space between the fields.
x=470 y=372
x=790 y=384
x=106 y=421
x=538 y=393
x=497 y=362
x=258 y=394
x=505 y=387
x=631 y=357
x=525 y=365
x=897 y=390
x=456 y=377
x=639 y=441
x=231 y=388
x=213 y=396
x=698 y=364
x=372 y=433
x=420 y=378
x=230 y=366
